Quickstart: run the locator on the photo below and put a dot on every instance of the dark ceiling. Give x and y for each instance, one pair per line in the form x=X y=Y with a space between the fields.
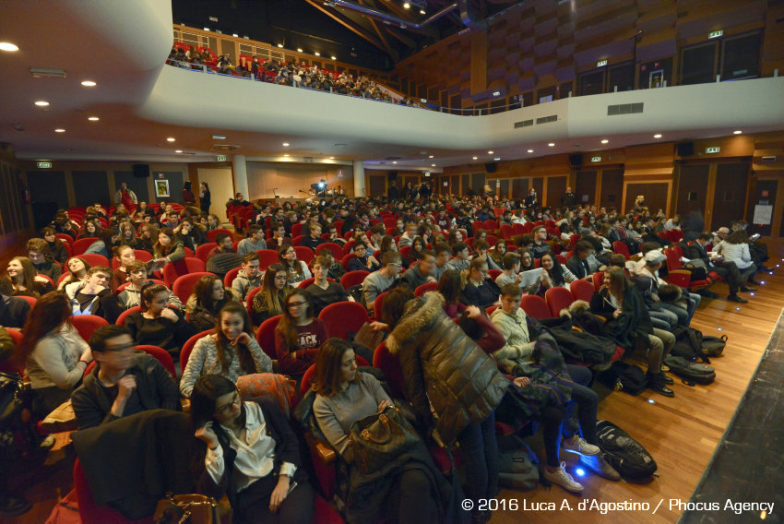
x=378 y=41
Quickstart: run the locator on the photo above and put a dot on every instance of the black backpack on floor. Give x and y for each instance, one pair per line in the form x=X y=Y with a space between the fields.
x=713 y=346
x=688 y=344
x=622 y=452
x=624 y=377
x=693 y=372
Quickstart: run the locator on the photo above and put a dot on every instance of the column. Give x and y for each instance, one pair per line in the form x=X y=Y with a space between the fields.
x=240 y=173
x=359 y=180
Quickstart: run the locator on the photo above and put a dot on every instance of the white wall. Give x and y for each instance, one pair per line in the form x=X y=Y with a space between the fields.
x=221 y=188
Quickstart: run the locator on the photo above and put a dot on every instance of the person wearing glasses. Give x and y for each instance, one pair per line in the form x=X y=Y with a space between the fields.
x=379 y=281
x=298 y=335
x=296 y=270
x=251 y=455
x=124 y=381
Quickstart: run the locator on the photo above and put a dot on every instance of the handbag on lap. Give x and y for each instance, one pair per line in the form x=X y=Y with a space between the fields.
x=378 y=439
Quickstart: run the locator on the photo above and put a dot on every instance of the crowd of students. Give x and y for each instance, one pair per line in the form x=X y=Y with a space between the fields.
x=467 y=325
x=286 y=73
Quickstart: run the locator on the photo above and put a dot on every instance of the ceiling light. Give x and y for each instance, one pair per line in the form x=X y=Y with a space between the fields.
x=42 y=103
x=235 y=35
x=286 y=144
x=604 y=141
x=476 y=158
x=299 y=50
x=431 y=156
x=218 y=137
x=333 y=57
x=88 y=83
x=59 y=130
x=406 y=5
x=490 y=152
x=432 y=165
x=422 y=12
x=394 y=162
x=280 y=45
x=93 y=118
x=530 y=150
x=551 y=144
x=170 y=139
x=8 y=47
x=178 y=150
x=285 y=154
x=657 y=135
x=317 y=53
x=332 y=158
x=737 y=132
x=497 y=158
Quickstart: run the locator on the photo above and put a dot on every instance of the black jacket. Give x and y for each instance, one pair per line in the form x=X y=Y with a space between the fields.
x=13 y=311
x=629 y=330
x=576 y=266
x=154 y=387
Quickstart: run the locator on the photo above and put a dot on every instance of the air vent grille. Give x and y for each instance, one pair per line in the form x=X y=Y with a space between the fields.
x=524 y=123
x=546 y=119
x=624 y=109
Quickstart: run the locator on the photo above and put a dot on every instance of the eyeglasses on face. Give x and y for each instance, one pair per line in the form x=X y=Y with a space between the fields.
x=235 y=401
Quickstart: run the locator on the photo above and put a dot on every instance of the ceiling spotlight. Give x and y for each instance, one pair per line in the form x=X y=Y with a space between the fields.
x=737 y=132
x=280 y=45
x=657 y=135
x=431 y=156
x=59 y=130
x=42 y=103
x=317 y=53
x=8 y=47
x=332 y=158
x=88 y=83
x=476 y=158
x=406 y=5
x=299 y=50
x=235 y=35
x=551 y=144
x=422 y=12
x=285 y=154
x=394 y=162
x=218 y=137
x=93 y=118
x=604 y=141
x=530 y=150
x=286 y=144
x=333 y=57
x=178 y=150
x=497 y=158
x=432 y=165
x=490 y=152
x=170 y=139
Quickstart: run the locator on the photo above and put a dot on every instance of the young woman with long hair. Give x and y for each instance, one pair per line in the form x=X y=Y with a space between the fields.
x=55 y=355
x=251 y=455
x=296 y=270
x=77 y=271
x=167 y=248
x=451 y=288
x=208 y=298
x=230 y=351
x=298 y=335
x=20 y=279
x=157 y=324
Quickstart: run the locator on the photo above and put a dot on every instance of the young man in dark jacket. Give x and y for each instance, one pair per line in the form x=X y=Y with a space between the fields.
x=124 y=382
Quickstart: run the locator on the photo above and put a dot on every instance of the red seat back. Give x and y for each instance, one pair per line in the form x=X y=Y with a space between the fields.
x=424 y=288
x=267 y=257
x=125 y=314
x=162 y=356
x=266 y=335
x=230 y=276
x=187 y=265
x=203 y=250
x=558 y=298
x=342 y=318
x=81 y=245
x=304 y=253
x=353 y=278
x=598 y=278
x=535 y=306
x=623 y=249
x=582 y=290
x=337 y=251
x=212 y=235
x=87 y=324
x=187 y=348
x=389 y=364
x=183 y=285
x=94 y=259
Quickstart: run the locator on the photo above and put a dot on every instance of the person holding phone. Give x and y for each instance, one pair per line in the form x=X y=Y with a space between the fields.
x=252 y=455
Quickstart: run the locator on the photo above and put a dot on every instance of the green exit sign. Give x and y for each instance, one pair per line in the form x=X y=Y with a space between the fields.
x=221 y=158
x=711 y=150
x=601 y=63
x=596 y=159
x=43 y=164
x=716 y=34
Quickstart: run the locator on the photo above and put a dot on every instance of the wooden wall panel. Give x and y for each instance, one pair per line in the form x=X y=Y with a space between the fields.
x=730 y=193
x=692 y=188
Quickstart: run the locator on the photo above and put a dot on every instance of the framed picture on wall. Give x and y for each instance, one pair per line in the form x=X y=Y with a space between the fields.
x=162 y=189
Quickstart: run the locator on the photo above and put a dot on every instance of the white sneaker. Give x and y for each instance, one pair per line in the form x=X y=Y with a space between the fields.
x=578 y=445
x=563 y=479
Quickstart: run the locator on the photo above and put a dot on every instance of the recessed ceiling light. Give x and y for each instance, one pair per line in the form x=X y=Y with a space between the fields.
x=280 y=45
x=530 y=150
x=235 y=35
x=737 y=132
x=657 y=135
x=317 y=53
x=432 y=165
x=88 y=83
x=171 y=139
x=299 y=50
x=551 y=144
x=332 y=158
x=333 y=57
x=490 y=152
x=218 y=137
x=59 y=130
x=178 y=150
x=286 y=144
x=394 y=162
x=476 y=158
x=604 y=141
x=422 y=12
x=406 y=5
x=431 y=156
x=8 y=47
x=42 y=103
x=497 y=158
x=285 y=154
x=93 y=118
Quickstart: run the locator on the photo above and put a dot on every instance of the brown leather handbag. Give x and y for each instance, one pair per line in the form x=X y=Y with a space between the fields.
x=378 y=439
x=186 y=509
